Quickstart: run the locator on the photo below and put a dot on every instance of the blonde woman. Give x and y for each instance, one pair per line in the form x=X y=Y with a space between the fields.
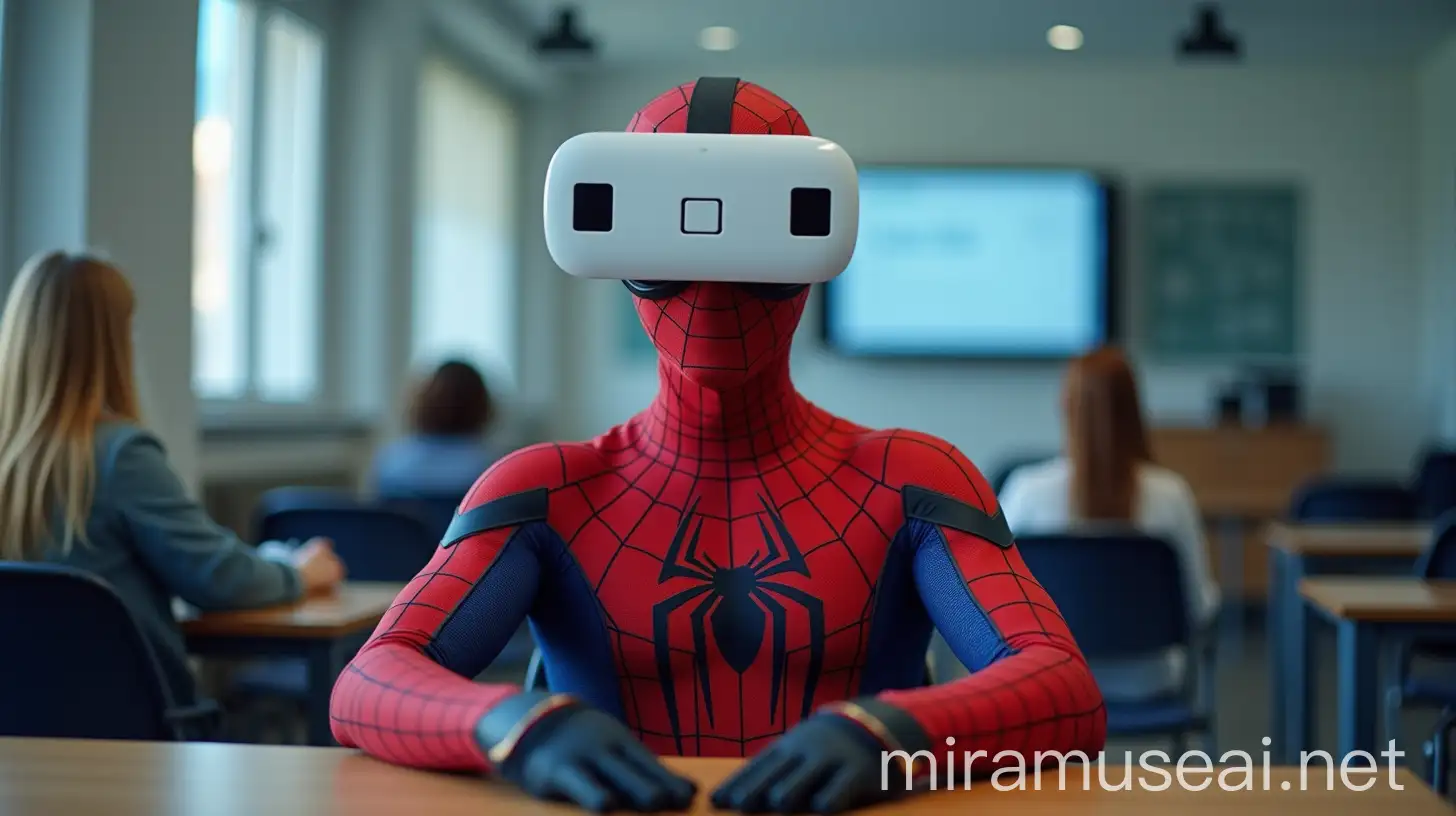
x=83 y=483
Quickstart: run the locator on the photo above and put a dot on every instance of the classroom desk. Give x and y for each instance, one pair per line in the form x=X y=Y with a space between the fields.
x=76 y=778
x=1297 y=551
x=1367 y=612
x=323 y=630
x=1232 y=510
x=1242 y=478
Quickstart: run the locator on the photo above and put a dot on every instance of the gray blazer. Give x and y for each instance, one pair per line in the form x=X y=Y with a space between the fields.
x=151 y=542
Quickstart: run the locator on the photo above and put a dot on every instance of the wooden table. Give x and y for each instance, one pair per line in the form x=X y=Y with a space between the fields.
x=73 y=778
x=1296 y=552
x=324 y=631
x=1365 y=612
x=1242 y=478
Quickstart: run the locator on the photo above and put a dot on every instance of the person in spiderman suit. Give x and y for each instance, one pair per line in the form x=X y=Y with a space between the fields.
x=733 y=572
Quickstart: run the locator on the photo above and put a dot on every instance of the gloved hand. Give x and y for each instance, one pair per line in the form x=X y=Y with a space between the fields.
x=825 y=764
x=577 y=754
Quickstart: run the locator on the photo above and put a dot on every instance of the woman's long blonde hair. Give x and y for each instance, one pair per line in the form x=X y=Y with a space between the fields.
x=65 y=363
x=1106 y=436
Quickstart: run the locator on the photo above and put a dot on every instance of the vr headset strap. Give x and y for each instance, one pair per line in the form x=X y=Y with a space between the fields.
x=710 y=110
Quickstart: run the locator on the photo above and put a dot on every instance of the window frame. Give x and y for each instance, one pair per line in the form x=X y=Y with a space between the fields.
x=441 y=46
x=249 y=408
x=7 y=73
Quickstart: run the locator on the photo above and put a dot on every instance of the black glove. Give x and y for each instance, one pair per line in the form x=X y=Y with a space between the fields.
x=577 y=754
x=825 y=764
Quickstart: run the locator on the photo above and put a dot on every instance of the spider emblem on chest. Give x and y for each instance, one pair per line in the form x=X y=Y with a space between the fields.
x=740 y=606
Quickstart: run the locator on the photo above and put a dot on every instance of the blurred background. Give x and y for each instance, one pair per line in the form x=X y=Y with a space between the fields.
x=317 y=200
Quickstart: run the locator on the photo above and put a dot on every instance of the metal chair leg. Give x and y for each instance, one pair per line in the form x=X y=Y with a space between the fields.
x=1397 y=669
x=1438 y=750
x=1393 y=700
x=536 y=673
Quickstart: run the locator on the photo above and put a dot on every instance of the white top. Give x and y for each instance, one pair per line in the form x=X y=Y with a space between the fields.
x=1036 y=500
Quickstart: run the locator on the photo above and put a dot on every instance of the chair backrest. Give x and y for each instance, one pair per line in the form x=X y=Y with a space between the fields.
x=435 y=511
x=1346 y=499
x=77 y=665
x=1438 y=560
x=375 y=543
x=282 y=499
x=1435 y=484
x=1002 y=474
x=1122 y=594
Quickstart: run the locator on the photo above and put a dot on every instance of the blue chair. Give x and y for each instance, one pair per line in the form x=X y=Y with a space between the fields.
x=283 y=499
x=1437 y=562
x=1435 y=484
x=79 y=666
x=1339 y=500
x=1002 y=473
x=1438 y=750
x=435 y=511
x=1438 y=559
x=1122 y=597
x=375 y=543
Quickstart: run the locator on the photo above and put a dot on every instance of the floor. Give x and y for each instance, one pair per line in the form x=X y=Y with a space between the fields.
x=1242 y=706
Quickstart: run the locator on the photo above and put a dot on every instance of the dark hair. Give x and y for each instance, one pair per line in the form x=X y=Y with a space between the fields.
x=452 y=401
x=1106 y=437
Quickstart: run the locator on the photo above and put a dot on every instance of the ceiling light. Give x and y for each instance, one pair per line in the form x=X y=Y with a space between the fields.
x=718 y=38
x=1064 y=37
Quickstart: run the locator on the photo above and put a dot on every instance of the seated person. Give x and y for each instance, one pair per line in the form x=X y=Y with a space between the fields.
x=444 y=452
x=1106 y=477
x=733 y=571
x=82 y=483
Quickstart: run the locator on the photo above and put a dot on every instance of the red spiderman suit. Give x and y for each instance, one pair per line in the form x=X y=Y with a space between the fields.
x=732 y=572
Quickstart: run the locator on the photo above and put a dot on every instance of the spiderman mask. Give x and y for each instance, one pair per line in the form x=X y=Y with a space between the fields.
x=719 y=335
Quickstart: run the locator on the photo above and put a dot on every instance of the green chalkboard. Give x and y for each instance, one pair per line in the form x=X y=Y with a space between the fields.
x=1222 y=271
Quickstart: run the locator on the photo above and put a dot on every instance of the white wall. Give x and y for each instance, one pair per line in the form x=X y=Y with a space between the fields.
x=1437 y=87
x=1380 y=247
x=99 y=154
x=1346 y=137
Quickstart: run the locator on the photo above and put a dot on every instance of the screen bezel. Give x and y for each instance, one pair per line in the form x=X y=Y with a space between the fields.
x=1108 y=292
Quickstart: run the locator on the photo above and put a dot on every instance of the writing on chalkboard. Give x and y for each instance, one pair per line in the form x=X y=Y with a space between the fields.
x=1222 y=271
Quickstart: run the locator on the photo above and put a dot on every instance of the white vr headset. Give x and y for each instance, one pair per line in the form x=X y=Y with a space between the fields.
x=703 y=205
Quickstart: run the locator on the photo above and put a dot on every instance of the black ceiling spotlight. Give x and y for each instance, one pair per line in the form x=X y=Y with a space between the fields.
x=565 y=40
x=1208 y=38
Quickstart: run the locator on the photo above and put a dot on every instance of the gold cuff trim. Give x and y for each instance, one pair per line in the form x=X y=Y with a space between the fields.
x=502 y=750
x=871 y=723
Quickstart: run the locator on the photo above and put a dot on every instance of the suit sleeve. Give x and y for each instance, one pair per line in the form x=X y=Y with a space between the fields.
x=195 y=558
x=408 y=697
x=1029 y=690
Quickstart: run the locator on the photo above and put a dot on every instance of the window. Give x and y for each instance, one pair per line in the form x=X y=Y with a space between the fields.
x=465 y=227
x=257 y=155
